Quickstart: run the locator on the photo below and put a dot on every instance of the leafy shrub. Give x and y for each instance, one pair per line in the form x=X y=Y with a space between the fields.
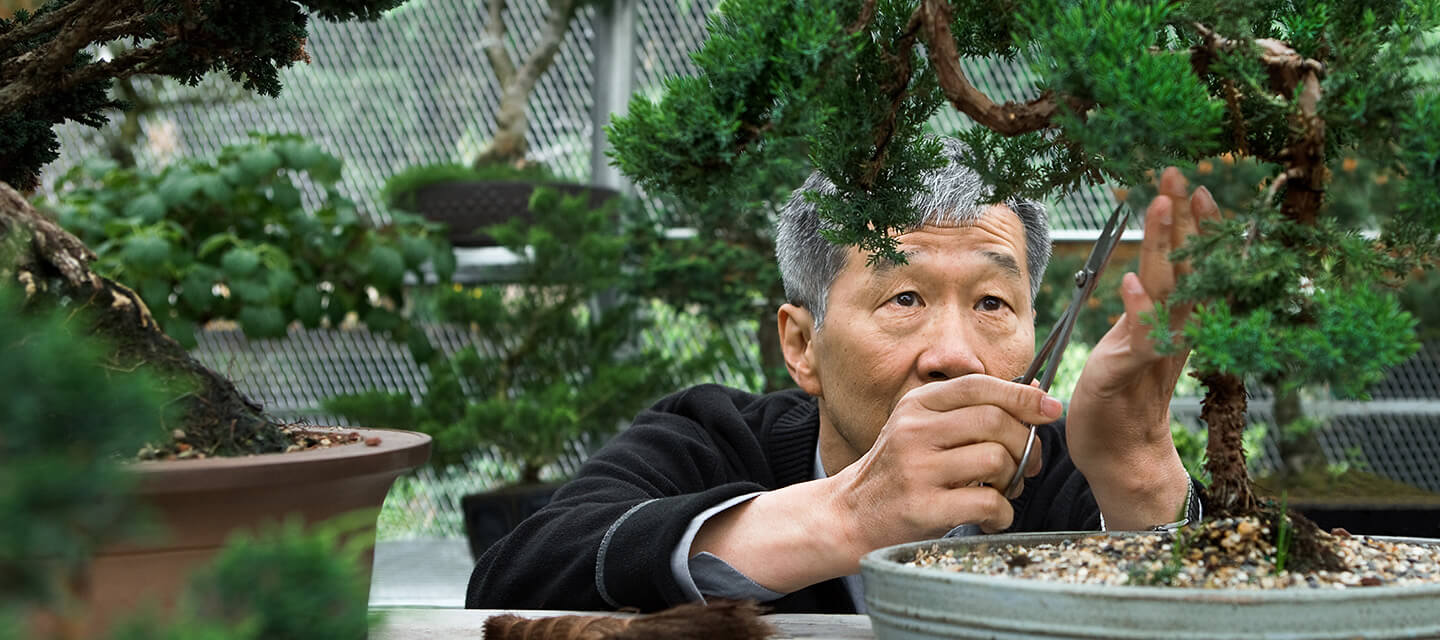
x=232 y=238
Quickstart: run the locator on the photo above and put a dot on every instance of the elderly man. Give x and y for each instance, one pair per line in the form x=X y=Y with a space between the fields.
x=905 y=426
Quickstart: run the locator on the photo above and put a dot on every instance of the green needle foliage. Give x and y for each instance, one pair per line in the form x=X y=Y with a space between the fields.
x=555 y=364
x=231 y=239
x=1293 y=90
x=70 y=420
x=67 y=418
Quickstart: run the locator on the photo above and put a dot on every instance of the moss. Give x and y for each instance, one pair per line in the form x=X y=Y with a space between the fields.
x=399 y=190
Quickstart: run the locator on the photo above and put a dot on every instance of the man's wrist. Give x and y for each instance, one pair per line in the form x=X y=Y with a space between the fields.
x=1142 y=494
x=783 y=540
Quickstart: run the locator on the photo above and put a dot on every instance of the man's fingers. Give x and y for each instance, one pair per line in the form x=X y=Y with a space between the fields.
x=1137 y=304
x=984 y=506
x=1025 y=403
x=1202 y=204
x=1156 y=272
x=1173 y=186
x=988 y=463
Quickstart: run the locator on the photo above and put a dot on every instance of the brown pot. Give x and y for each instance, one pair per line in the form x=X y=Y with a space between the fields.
x=200 y=503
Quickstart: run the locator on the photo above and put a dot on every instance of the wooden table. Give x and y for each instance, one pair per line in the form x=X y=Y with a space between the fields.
x=405 y=623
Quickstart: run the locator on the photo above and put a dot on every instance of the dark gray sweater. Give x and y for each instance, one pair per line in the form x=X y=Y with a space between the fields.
x=605 y=540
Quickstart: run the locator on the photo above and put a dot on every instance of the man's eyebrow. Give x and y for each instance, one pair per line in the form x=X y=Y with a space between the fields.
x=1004 y=261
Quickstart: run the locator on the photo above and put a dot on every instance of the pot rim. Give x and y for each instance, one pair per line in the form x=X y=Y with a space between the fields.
x=881 y=560
x=397 y=451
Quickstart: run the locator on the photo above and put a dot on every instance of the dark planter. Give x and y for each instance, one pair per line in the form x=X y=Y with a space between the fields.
x=1416 y=519
x=468 y=206
x=491 y=515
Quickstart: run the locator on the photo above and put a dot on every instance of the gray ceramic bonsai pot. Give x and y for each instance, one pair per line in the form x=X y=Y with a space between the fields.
x=912 y=602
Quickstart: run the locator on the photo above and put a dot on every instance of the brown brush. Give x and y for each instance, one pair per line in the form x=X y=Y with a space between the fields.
x=723 y=619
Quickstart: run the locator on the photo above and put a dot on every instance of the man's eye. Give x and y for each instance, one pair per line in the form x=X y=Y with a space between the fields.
x=990 y=303
x=906 y=299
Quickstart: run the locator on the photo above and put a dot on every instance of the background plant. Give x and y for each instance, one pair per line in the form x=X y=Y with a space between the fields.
x=562 y=354
x=232 y=239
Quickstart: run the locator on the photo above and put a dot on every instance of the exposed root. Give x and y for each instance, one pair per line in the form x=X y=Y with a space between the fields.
x=53 y=268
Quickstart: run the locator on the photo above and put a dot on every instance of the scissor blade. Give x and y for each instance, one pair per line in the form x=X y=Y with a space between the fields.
x=1047 y=357
x=1108 y=240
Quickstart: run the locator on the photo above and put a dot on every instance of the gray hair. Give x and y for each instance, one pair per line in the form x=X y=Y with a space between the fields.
x=809 y=263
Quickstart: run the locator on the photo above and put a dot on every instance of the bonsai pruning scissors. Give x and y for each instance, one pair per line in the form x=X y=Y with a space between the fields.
x=1047 y=357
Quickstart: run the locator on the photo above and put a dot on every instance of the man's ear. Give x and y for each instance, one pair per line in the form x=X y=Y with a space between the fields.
x=797 y=339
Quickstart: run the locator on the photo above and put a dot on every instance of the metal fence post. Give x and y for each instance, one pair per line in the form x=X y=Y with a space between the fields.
x=613 y=74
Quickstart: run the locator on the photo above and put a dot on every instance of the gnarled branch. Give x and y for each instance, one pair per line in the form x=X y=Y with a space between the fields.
x=45 y=22
x=1292 y=77
x=1009 y=119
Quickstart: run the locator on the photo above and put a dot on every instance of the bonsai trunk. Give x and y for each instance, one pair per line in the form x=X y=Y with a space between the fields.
x=511 y=122
x=52 y=266
x=1230 y=492
x=517 y=82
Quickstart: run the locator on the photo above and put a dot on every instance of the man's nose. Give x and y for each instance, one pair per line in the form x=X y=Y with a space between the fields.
x=951 y=349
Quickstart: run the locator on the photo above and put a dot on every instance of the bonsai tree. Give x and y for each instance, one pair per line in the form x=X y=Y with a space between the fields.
x=48 y=76
x=563 y=352
x=1124 y=88
x=517 y=76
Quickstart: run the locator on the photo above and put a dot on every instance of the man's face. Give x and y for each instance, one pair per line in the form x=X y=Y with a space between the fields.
x=961 y=305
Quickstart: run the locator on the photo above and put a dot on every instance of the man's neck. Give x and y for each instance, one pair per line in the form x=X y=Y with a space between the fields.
x=836 y=452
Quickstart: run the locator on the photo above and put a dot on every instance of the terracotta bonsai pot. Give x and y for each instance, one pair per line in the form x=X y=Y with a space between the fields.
x=200 y=503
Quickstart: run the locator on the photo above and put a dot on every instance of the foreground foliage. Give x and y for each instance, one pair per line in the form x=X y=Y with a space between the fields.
x=70 y=419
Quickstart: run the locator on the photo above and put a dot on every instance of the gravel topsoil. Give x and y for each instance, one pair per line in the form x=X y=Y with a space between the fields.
x=1231 y=553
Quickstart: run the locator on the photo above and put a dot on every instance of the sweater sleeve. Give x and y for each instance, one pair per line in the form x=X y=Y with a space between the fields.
x=605 y=541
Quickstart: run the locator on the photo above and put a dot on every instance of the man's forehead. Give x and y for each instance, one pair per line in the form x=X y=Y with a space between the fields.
x=1001 y=239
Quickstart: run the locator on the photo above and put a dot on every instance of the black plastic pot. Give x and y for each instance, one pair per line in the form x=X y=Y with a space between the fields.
x=491 y=515
x=1416 y=520
x=468 y=206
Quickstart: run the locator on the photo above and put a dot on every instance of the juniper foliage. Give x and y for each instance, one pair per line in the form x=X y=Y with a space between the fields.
x=1125 y=87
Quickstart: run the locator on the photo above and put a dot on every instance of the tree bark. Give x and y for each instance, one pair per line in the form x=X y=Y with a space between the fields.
x=1223 y=410
x=52 y=266
x=512 y=119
